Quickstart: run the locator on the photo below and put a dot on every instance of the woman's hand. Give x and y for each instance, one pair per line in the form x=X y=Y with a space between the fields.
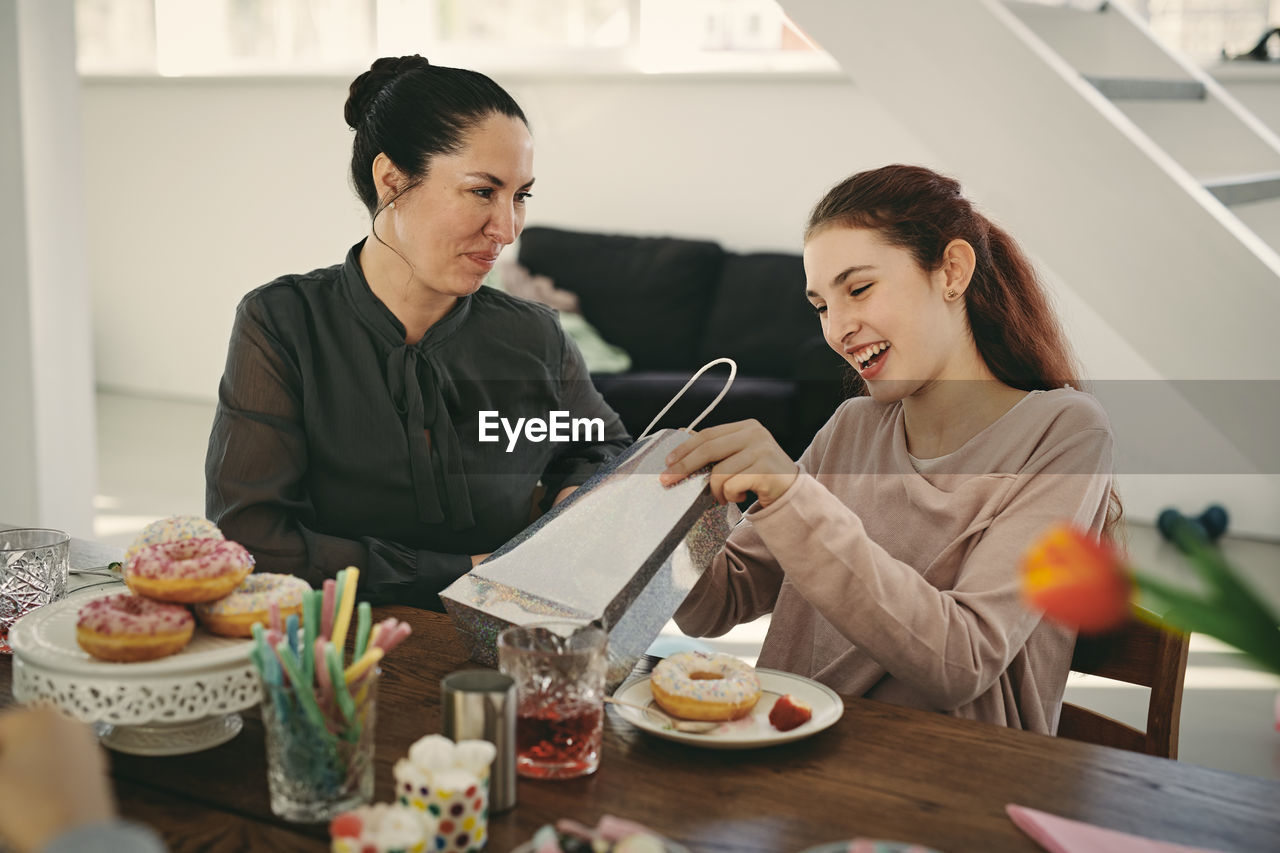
x=744 y=457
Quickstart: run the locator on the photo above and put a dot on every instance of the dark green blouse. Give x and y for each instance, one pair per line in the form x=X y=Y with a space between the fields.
x=337 y=444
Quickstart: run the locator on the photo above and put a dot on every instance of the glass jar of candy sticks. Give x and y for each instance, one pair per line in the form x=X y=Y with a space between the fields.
x=318 y=707
x=313 y=772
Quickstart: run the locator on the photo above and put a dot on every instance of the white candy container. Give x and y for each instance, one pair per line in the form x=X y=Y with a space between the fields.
x=449 y=782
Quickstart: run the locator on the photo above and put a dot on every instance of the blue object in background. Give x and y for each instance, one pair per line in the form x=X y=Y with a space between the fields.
x=1212 y=522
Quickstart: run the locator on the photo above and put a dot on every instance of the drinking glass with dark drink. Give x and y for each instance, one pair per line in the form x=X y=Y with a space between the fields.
x=559 y=669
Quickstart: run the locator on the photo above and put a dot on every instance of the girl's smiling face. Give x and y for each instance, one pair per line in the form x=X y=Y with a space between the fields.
x=902 y=328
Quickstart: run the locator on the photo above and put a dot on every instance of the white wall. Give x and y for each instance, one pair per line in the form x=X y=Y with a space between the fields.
x=46 y=374
x=199 y=191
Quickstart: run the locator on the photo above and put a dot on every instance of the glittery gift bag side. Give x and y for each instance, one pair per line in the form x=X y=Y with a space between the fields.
x=623 y=551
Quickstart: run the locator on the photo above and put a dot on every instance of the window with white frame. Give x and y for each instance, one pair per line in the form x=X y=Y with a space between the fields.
x=228 y=37
x=1208 y=31
x=1204 y=31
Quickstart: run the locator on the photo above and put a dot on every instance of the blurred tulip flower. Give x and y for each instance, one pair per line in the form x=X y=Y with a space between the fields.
x=1084 y=584
x=1076 y=580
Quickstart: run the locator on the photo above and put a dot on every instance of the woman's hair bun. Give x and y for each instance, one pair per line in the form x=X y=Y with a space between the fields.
x=365 y=88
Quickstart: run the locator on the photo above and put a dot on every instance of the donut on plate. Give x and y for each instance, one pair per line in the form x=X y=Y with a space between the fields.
x=250 y=602
x=701 y=686
x=127 y=628
x=188 y=571
x=173 y=529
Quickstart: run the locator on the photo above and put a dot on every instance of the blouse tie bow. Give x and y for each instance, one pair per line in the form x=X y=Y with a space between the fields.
x=439 y=480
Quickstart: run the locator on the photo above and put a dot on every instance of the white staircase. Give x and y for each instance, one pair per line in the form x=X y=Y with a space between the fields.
x=1180 y=107
x=1112 y=204
x=1134 y=179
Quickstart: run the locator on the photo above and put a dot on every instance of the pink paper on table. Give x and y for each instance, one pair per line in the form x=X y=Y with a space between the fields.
x=1060 y=835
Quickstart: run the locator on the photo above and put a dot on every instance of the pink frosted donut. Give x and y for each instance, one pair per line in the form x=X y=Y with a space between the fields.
x=250 y=602
x=128 y=628
x=188 y=571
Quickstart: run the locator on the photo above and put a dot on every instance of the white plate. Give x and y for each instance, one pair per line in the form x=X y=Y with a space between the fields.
x=753 y=730
x=46 y=637
x=182 y=703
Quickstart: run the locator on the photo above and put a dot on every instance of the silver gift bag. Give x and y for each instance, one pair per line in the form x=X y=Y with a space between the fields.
x=622 y=551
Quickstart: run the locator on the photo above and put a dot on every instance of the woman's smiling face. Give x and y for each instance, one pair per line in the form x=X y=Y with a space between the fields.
x=881 y=312
x=452 y=226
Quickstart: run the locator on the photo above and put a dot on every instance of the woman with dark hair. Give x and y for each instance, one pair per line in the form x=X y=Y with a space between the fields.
x=358 y=419
x=889 y=555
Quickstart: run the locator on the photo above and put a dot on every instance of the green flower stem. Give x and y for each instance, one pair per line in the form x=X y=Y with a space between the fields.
x=1213 y=567
x=1232 y=612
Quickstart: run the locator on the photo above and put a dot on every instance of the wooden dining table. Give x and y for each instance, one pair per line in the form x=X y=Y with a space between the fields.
x=881 y=771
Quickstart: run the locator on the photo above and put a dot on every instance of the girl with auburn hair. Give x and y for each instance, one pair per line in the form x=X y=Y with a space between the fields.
x=349 y=428
x=888 y=556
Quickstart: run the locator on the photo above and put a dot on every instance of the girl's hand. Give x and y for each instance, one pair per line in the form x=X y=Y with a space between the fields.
x=744 y=457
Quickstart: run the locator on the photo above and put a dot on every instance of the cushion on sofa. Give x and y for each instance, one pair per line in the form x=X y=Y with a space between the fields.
x=760 y=316
x=647 y=295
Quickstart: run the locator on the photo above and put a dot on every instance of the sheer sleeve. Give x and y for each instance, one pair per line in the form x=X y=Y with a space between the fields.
x=255 y=469
x=578 y=460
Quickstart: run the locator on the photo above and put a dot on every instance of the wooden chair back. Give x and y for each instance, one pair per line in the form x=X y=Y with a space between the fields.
x=1141 y=654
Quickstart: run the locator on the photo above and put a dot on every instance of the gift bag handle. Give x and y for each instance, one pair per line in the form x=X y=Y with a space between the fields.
x=733 y=372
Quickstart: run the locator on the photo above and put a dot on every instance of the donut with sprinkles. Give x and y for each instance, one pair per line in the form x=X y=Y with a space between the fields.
x=127 y=628
x=250 y=602
x=701 y=686
x=175 y=528
x=188 y=571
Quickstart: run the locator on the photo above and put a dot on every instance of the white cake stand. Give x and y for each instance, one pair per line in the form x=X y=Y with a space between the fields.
x=183 y=703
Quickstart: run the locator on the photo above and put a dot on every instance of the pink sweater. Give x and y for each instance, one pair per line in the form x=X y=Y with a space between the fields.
x=900 y=586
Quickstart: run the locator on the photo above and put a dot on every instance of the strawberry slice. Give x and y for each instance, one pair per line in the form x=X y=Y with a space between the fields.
x=789 y=712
